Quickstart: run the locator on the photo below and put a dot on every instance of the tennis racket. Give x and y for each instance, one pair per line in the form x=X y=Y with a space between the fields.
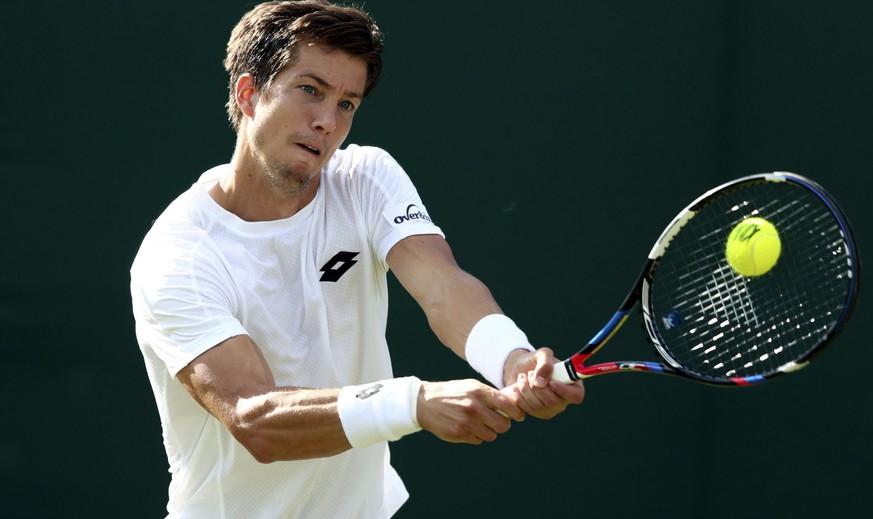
x=710 y=324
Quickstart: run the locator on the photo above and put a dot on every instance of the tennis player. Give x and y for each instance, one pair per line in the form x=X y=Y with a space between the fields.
x=261 y=302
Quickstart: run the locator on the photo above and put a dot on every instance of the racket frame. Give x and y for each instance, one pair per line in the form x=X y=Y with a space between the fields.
x=574 y=368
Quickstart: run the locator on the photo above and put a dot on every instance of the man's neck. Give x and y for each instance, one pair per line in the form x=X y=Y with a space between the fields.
x=246 y=192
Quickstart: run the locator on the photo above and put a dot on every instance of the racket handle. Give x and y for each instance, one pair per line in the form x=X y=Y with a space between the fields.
x=561 y=374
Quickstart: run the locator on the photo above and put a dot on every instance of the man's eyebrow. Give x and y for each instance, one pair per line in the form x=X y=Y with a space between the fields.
x=325 y=84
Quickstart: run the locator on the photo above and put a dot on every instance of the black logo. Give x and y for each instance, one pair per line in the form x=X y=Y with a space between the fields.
x=338 y=265
x=747 y=231
x=412 y=213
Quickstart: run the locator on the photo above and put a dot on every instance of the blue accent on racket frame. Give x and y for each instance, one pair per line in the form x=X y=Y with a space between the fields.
x=604 y=332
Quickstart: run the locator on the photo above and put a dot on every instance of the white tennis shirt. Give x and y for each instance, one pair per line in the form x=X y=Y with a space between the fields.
x=311 y=291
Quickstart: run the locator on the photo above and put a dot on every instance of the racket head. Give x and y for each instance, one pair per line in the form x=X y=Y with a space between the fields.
x=714 y=325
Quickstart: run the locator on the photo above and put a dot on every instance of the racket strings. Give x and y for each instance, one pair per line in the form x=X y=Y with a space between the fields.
x=720 y=324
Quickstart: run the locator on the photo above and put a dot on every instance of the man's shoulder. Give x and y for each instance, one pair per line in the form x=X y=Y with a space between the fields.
x=360 y=152
x=179 y=228
x=357 y=160
x=189 y=210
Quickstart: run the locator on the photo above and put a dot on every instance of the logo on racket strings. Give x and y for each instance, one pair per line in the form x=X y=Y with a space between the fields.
x=672 y=320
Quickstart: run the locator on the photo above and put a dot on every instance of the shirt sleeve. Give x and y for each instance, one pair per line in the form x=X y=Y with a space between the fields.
x=181 y=301
x=391 y=204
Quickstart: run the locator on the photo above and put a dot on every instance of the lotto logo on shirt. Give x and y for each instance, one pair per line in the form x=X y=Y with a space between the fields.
x=407 y=213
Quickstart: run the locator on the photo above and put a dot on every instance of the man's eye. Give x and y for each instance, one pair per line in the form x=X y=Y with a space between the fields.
x=308 y=89
x=347 y=105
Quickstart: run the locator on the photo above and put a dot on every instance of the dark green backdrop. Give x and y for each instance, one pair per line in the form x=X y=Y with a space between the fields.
x=552 y=142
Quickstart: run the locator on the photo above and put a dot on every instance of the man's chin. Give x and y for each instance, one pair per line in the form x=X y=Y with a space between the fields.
x=290 y=180
x=296 y=184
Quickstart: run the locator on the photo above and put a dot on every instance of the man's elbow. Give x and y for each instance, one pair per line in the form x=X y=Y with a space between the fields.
x=259 y=445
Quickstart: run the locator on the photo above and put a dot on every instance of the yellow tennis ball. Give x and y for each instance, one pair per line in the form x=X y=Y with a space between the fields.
x=753 y=247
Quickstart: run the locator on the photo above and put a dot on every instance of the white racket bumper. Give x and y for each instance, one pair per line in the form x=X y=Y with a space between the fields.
x=792 y=366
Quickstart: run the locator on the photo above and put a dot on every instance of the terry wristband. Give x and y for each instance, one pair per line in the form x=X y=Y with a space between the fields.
x=489 y=344
x=380 y=411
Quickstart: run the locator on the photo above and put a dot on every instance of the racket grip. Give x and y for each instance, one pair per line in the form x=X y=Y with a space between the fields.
x=561 y=374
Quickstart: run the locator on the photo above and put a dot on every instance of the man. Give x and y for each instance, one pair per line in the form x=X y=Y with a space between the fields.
x=260 y=296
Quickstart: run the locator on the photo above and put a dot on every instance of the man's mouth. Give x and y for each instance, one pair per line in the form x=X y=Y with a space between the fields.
x=311 y=149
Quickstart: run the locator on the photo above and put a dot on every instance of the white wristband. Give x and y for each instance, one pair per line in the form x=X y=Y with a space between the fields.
x=378 y=412
x=489 y=344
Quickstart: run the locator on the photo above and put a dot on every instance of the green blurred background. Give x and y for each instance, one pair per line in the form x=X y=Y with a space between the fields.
x=552 y=141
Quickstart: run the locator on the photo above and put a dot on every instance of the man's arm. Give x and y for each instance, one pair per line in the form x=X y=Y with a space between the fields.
x=454 y=301
x=234 y=383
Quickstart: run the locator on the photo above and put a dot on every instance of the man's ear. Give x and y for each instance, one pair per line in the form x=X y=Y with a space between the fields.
x=246 y=94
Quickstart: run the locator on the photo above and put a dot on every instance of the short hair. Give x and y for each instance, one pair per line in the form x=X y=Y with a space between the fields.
x=267 y=39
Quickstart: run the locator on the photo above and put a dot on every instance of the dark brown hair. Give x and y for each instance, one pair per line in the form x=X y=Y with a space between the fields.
x=266 y=39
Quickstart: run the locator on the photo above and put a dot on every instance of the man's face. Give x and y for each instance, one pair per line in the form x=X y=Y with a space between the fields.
x=303 y=117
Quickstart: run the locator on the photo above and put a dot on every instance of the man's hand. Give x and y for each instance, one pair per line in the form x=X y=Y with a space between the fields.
x=528 y=378
x=465 y=411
